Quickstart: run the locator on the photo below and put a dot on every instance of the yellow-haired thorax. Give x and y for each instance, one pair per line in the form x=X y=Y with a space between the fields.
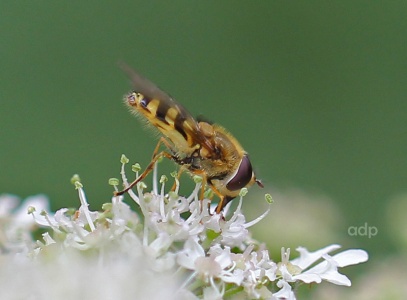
x=223 y=135
x=229 y=169
x=227 y=152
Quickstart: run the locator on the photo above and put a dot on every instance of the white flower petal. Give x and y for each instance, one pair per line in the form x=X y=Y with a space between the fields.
x=285 y=293
x=351 y=257
x=308 y=278
x=308 y=258
x=336 y=278
x=222 y=256
x=192 y=250
x=213 y=223
x=236 y=277
x=207 y=267
x=327 y=270
x=160 y=245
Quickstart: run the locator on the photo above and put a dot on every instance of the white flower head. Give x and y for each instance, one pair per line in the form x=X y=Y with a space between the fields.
x=176 y=243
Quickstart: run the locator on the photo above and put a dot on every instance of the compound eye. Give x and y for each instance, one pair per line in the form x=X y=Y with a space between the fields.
x=143 y=101
x=243 y=175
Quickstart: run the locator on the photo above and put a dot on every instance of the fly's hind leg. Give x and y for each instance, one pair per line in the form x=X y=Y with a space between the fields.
x=156 y=156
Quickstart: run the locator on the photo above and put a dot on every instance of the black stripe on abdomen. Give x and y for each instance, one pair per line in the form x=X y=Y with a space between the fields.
x=161 y=112
x=179 y=125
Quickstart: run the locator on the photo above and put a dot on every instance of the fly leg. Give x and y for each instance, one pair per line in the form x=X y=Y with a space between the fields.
x=223 y=200
x=156 y=156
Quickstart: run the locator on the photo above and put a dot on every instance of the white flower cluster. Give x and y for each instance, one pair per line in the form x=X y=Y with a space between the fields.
x=175 y=249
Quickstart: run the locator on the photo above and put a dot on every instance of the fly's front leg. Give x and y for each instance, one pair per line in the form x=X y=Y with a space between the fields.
x=150 y=166
x=223 y=200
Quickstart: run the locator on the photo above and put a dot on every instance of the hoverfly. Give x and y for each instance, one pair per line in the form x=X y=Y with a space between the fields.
x=203 y=149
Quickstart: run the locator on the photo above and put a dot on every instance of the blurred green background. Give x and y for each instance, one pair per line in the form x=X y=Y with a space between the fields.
x=314 y=90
